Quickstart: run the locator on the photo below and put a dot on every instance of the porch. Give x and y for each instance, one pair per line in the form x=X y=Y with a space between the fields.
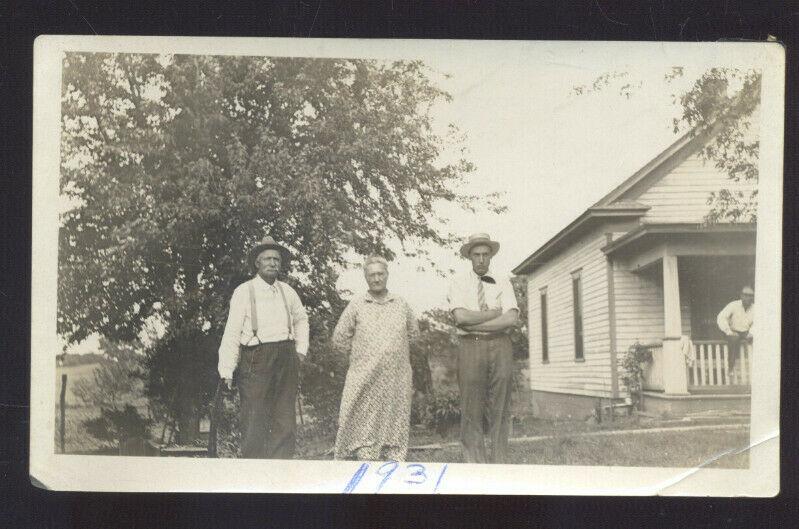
x=693 y=271
x=707 y=365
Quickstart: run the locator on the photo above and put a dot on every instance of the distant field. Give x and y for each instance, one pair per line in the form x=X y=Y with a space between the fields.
x=74 y=373
x=77 y=439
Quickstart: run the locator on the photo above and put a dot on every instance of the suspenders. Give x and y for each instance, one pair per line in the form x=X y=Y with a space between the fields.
x=288 y=313
x=254 y=311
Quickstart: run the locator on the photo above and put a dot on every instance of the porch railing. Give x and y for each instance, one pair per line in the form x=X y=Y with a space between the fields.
x=710 y=364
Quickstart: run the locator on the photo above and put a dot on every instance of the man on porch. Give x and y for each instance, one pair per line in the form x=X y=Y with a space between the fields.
x=735 y=321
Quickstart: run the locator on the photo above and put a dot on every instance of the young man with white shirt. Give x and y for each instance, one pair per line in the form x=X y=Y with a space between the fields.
x=484 y=308
x=265 y=336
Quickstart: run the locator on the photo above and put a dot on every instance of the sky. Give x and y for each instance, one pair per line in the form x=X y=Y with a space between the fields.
x=551 y=152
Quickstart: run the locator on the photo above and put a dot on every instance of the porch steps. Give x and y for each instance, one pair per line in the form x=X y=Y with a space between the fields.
x=712 y=404
x=740 y=389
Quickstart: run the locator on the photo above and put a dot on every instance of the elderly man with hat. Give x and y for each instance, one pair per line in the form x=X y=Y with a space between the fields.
x=484 y=308
x=265 y=336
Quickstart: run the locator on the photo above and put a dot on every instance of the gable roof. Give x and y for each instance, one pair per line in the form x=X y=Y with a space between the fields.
x=579 y=226
x=619 y=202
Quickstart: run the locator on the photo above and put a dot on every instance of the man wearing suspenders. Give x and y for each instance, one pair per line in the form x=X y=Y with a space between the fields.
x=265 y=336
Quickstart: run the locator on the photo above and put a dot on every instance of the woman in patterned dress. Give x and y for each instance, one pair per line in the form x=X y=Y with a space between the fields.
x=375 y=331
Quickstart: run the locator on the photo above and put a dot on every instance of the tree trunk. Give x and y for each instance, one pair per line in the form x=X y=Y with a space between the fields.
x=422 y=376
x=188 y=423
x=186 y=403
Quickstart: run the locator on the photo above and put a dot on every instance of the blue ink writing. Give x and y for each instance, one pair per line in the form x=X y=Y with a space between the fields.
x=387 y=475
x=440 y=476
x=418 y=472
x=356 y=478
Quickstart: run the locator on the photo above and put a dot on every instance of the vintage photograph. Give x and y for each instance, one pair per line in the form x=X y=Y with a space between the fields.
x=413 y=259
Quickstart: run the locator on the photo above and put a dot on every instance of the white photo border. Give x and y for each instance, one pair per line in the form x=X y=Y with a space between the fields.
x=115 y=473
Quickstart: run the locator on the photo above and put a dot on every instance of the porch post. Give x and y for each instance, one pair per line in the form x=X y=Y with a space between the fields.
x=675 y=378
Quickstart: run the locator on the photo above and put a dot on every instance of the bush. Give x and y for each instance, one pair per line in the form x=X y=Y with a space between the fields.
x=632 y=363
x=117 y=380
x=420 y=408
x=322 y=378
x=443 y=411
x=113 y=425
x=181 y=378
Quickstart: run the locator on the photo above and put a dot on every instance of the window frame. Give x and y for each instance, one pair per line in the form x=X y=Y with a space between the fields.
x=578 y=316
x=543 y=300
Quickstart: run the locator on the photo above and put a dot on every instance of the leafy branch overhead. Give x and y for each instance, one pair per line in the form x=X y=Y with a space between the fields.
x=726 y=99
x=173 y=166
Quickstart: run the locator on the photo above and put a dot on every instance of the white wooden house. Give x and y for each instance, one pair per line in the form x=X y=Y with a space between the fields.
x=641 y=265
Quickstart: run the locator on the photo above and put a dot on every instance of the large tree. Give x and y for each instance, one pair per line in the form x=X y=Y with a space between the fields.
x=173 y=166
x=727 y=100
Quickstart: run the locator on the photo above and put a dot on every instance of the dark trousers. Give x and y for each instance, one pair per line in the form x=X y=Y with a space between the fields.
x=734 y=344
x=485 y=371
x=267 y=380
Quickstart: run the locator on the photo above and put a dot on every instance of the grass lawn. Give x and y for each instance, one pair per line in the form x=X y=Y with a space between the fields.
x=657 y=449
x=76 y=438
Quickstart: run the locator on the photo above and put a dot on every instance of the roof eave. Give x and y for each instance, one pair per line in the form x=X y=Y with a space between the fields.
x=581 y=222
x=675 y=229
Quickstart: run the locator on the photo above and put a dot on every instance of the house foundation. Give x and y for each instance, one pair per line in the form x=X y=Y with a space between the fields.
x=660 y=404
x=551 y=405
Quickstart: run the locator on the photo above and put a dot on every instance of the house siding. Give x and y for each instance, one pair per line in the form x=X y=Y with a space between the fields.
x=682 y=194
x=639 y=307
x=564 y=374
x=679 y=196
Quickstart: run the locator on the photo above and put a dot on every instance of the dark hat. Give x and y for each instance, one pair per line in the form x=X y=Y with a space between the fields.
x=478 y=239
x=268 y=243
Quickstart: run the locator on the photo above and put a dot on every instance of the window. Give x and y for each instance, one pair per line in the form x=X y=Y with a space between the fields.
x=544 y=328
x=577 y=300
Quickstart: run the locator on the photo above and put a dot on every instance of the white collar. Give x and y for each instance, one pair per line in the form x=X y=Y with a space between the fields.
x=473 y=275
x=260 y=280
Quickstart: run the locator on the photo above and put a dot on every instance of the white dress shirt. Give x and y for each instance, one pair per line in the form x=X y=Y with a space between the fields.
x=734 y=317
x=273 y=323
x=463 y=293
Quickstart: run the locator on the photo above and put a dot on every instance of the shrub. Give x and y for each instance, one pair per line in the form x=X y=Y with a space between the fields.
x=321 y=384
x=420 y=408
x=181 y=377
x=443 y=411
x=632 y=363
x=117 y=380
x=114 y=425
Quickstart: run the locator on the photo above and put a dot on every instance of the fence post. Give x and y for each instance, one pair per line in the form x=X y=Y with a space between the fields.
x=62 y=404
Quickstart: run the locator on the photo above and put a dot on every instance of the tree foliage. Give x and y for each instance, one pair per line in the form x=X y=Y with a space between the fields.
x=118 y=378
x=724 y=100
x=174 y=166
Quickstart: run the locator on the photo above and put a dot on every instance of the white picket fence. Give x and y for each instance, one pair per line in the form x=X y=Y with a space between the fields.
x=710 y=365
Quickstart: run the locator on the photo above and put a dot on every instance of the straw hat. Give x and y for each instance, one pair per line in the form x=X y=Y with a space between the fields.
x=477 y=239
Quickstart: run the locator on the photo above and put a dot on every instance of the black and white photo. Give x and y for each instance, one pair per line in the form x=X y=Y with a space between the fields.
x=303 y=265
